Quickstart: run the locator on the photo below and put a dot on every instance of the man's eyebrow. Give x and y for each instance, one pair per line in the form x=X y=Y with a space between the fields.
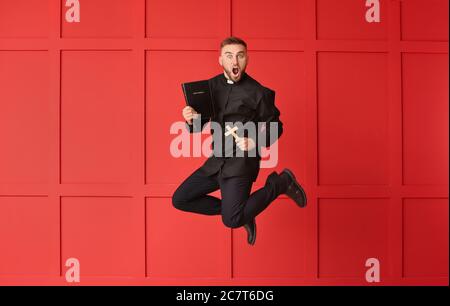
x=228 y=52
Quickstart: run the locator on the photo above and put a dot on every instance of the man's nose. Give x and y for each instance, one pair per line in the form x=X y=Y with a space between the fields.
x=234 y=61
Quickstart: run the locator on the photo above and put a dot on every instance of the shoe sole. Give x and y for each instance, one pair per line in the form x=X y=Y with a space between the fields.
x=252 y=242
x=291 y=174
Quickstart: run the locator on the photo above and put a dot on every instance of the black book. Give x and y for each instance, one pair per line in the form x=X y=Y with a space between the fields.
x=198 y=95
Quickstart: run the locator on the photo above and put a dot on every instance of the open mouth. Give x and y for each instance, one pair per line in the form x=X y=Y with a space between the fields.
x=235 y=71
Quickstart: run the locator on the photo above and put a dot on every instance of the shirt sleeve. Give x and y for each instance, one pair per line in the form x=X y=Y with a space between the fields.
x=269 y=115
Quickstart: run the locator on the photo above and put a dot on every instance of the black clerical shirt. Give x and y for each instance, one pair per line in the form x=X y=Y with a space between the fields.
x=243 y=102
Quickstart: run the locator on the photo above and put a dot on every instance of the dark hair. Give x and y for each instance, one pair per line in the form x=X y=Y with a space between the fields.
x=232 y=41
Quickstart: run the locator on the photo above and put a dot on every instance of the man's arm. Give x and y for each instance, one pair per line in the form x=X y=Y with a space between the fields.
x=269 y=114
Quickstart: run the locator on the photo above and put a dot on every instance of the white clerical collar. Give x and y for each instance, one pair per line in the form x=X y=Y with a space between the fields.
x=228 y=80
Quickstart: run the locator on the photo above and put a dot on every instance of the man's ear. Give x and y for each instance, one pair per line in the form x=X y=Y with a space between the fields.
x=220 y=61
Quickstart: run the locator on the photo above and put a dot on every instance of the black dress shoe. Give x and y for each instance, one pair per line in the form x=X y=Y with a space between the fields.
x=294 y=190
x=251 y=232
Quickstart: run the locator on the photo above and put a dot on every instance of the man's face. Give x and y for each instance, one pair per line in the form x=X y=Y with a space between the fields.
x=233 y=59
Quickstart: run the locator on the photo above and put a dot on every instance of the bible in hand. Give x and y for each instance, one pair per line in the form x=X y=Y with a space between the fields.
x=198 y=96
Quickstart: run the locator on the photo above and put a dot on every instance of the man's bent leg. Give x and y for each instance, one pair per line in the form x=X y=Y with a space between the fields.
x=235 y=193
x=191 y=195
x=261 y=198
x=239 y=207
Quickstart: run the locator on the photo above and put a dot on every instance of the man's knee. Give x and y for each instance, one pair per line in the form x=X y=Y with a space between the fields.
x=232 y=222
x=178 y=200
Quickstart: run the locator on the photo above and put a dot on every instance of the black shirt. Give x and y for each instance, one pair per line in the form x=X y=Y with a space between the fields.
x=244 y=102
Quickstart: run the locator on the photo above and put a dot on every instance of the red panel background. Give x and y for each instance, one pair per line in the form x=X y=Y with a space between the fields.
x=352 y=119
x=85 y=116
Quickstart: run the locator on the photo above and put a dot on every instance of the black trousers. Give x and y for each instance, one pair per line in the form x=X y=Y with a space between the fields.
x=237 y=205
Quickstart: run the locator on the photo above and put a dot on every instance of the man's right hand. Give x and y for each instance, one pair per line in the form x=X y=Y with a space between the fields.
x=189 y=113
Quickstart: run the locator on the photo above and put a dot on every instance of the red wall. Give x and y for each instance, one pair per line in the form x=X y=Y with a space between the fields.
x=85 y=166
